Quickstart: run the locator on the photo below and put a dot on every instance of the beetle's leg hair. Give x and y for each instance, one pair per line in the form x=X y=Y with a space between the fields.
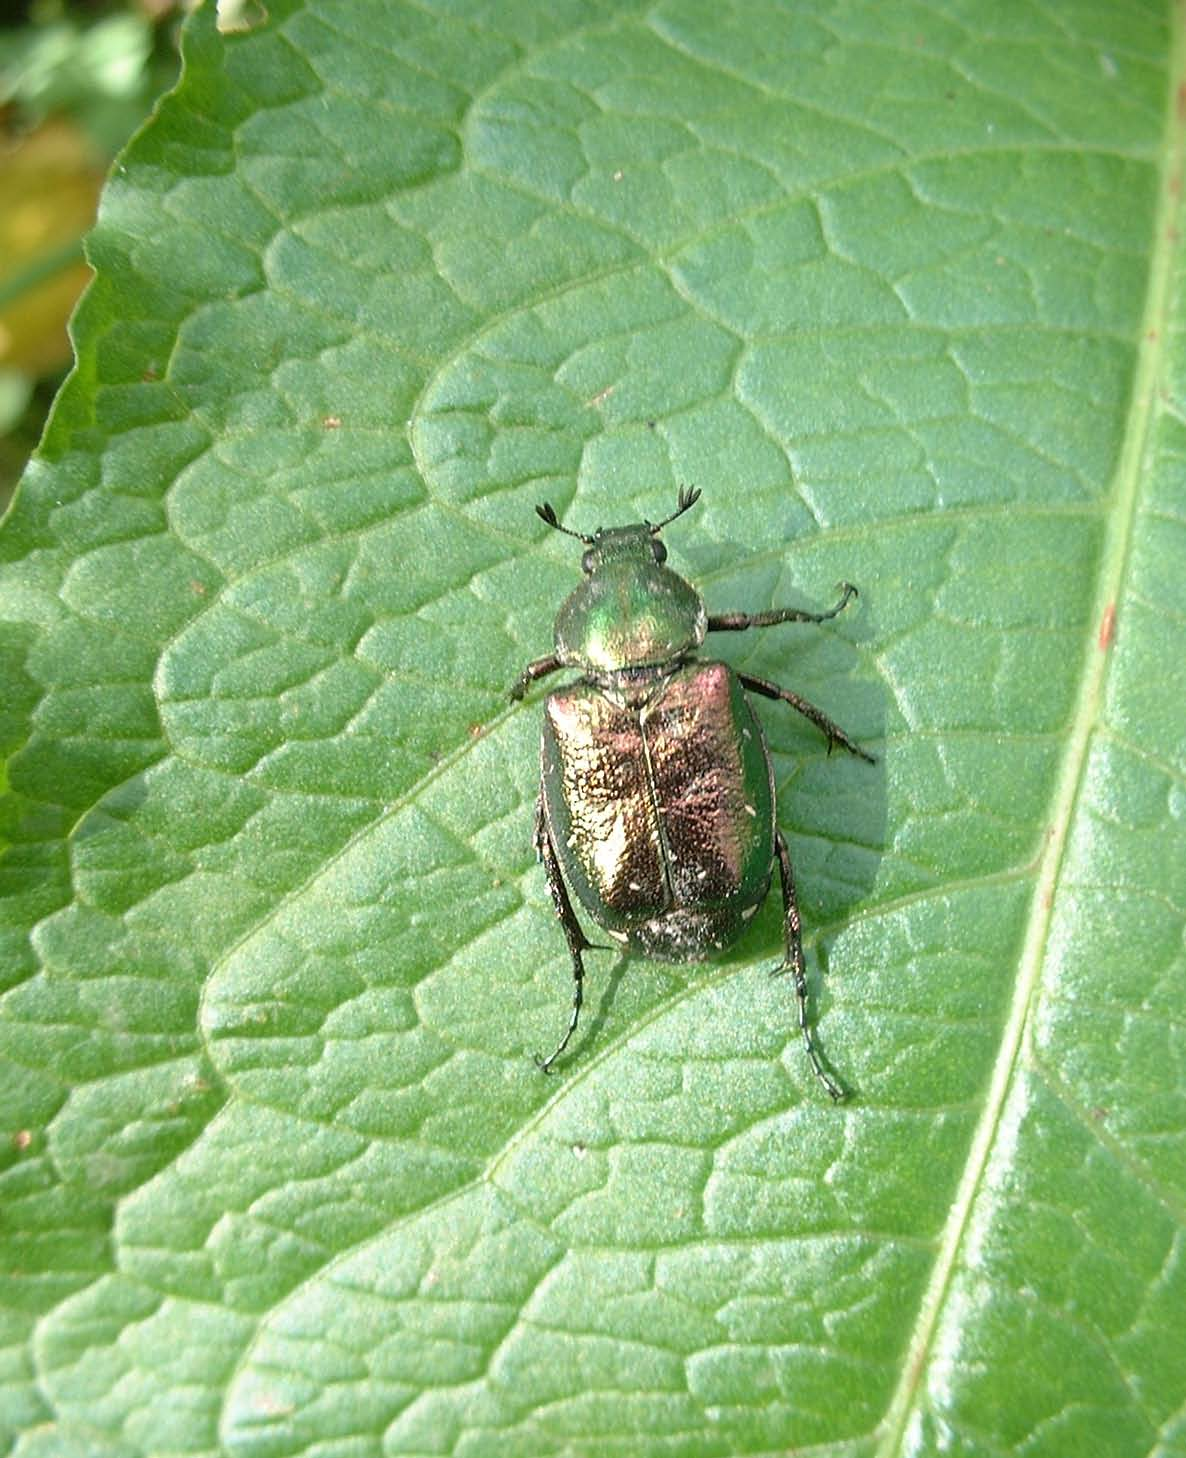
x=576 y=938
x=793 y=964
x=831 y=730
x=737 y=622
x=536 y=669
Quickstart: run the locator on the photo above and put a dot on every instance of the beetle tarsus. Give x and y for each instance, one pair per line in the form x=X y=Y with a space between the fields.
x=738 y=622
x=847 y=591
x=577 y=941
x=831 y=731
x=852 y=746
x=545 y=1064
x=794 y=964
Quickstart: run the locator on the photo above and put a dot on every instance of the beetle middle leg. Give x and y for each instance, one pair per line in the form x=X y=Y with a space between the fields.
x=578 y=942
x=794 y=964
x=832 y=730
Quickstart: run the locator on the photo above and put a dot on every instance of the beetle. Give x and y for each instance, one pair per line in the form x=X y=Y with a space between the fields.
x=656 y=802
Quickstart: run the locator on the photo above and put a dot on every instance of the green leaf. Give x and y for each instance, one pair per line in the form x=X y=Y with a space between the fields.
x=900 y=288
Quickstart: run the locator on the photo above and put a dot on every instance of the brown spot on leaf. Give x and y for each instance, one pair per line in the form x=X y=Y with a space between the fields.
x=1107 y=628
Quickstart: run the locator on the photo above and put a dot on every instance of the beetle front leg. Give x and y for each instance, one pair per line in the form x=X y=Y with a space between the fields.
x=833 y=732
x=738 y=622
x=578 y=942
x=537 y=668
x=792 y=930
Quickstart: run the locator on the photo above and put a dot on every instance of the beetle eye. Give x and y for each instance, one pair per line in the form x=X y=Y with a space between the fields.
x=587 y=561
x=658 y=549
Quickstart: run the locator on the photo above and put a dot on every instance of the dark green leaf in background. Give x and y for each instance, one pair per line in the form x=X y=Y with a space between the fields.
x=900 y=288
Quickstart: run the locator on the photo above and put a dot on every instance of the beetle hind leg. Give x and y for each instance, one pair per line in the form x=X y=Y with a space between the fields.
x=578 y=942
x=794 y=964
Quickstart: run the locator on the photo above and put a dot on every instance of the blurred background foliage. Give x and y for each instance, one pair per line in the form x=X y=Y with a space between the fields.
x=76 y=80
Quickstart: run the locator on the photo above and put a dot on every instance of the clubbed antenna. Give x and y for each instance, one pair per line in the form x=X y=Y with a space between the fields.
x=548 y=513
x=688 y=497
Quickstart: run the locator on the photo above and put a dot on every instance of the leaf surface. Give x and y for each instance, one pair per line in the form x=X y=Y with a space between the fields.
x=900 y=289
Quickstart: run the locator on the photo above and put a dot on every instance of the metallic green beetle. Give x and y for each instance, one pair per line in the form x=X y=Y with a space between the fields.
x=656 y=800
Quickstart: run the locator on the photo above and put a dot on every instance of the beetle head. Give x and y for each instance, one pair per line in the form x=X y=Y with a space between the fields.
x=631 y=611
x=622 y=544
